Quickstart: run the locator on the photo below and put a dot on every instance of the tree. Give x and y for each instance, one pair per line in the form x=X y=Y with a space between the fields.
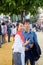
x=18 y=6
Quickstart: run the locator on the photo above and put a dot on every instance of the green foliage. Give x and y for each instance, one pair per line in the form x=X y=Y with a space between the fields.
x=17 y=6
x=34 y=19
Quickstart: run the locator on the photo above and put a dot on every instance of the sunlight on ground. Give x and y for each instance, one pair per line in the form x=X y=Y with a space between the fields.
x=6 y=54
x=6 y=51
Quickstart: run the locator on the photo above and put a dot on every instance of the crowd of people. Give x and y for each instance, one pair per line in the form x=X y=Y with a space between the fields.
x=6 y=29
x=38 y=26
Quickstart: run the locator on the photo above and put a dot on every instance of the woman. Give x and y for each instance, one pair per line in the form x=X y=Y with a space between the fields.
x=19 y=46
x=4 y=32
x=13 y=31
x=0 y=35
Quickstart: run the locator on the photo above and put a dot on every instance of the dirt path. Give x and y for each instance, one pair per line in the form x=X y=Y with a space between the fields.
x=40 y=40
x=6 y=52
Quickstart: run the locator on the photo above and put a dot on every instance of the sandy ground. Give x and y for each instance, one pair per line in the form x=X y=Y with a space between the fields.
x=6 y=52
x=40 y=40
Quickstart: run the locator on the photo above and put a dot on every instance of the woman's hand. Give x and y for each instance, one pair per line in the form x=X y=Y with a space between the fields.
x=24 y=44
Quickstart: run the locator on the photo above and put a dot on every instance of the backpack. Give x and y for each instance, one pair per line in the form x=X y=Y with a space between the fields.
x=36 y=50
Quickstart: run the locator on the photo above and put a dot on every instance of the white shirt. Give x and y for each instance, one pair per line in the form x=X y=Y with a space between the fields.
x=4 y=27
x=13 y=31
x=17 y=46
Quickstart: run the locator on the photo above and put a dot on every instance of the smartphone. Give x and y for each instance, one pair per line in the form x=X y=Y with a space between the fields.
x=28 y=39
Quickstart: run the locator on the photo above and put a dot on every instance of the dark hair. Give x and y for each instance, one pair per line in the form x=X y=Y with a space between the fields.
x=18 y=23
x=13 y=25
x=3 y=23
x=27 y=21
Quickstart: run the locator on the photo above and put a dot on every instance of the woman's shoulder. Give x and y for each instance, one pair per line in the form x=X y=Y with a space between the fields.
x=17 y=36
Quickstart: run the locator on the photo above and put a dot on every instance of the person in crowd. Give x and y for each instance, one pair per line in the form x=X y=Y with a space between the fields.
x=31 y=26
x=42 y=26
x=13 y=31
x=19 y=46
x=9 y=31
x=38 y=27
x=28 y=34
x=4 y=32
x=0 y=35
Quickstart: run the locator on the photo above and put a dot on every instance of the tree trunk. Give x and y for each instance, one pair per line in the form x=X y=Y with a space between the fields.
x=22 y=16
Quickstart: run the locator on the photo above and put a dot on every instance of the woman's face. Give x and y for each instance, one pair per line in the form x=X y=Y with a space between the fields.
x=20 y=26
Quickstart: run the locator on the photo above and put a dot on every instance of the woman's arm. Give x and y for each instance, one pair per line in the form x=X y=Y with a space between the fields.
x=27 y=42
